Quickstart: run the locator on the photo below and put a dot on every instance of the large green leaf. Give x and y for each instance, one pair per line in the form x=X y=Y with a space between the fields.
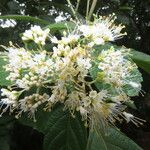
x=52 y=26
x=110 y=140
x=61 y=130
x=64 y=132
x=25 y=18
x=3 y=73
x=41 y=120
x=141 y=59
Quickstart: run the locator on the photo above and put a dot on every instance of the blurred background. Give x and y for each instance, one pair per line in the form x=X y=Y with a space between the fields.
x=134 y=14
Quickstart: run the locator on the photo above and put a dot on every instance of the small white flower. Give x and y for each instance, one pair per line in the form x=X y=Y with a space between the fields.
x=93 y=94
x=99 y=41
x=102 y=94
x=54 y=39
x=83 y=111
x=91 y=44
x=84 y=62
x=101 y=30
x=71 y=38
x=128 y=116
x=115 y=67
x=11 y=99
x=135 y=85
x=36 y=34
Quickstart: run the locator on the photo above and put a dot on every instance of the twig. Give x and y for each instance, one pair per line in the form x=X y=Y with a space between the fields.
x=77 y=6
x=87 y=9
x=92 y=9
x=72 y=9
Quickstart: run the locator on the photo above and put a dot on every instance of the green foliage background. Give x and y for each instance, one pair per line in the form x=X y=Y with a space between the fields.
x=17 y=135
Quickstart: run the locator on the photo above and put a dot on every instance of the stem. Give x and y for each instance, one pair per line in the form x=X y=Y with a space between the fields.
x=38 y=90
x=40 y=47
x=26 y=45
x=87 y=9
x=92 y=9
x=72 y=9
x=78 y=3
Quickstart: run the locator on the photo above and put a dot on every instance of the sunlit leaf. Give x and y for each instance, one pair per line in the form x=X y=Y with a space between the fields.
x=3 y=73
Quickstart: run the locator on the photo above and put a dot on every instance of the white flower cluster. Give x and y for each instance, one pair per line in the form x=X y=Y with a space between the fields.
x=64 y=74
x=102 y=30
x=10 y=99
x=36 y=34
x=31 y=103
x=28 y=69
x=115 y=67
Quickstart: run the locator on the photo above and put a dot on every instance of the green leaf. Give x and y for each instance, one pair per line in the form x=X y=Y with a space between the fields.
x=126 y=8
x=60 y=129
x=53 y=26
x=25 y=18
x=41 y=120
x=64 y=132
x=136 y=78
x=3 y=73
x=61 y=26
x=130 y=104
x=94 y=69
x=111 y=139
x=116 y=1
x=141 y=59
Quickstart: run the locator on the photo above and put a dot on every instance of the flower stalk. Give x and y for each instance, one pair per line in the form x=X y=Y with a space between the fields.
x=87 y=9
x=74 y=11
x=92 y=9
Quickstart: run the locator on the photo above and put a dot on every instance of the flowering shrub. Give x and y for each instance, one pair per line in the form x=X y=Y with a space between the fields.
x=76 y=85
x=77 y=72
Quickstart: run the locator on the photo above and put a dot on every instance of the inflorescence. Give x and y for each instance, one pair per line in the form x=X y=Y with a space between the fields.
x=78 y=72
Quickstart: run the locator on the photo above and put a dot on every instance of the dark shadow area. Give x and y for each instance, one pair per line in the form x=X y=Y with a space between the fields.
x=25 y=138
